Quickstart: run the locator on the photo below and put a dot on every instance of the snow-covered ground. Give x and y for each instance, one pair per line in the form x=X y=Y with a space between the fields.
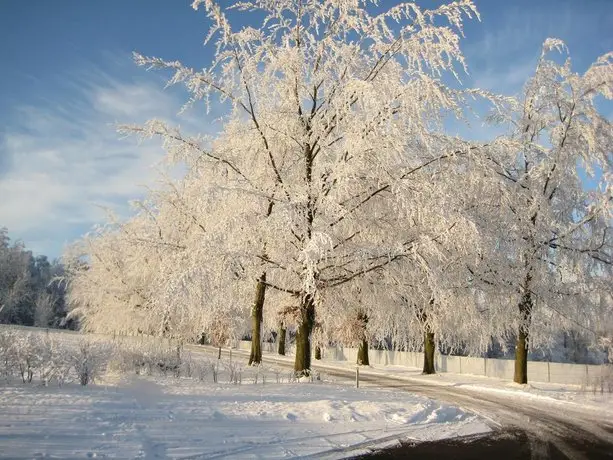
x=226 y=409
x=588 y=399
x=592 y=400
x=147 y=417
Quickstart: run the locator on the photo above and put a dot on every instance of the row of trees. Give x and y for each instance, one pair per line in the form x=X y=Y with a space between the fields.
x=30 y=293
x=335 y=199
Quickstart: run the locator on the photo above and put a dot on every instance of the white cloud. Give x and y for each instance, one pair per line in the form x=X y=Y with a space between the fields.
x=64 y=159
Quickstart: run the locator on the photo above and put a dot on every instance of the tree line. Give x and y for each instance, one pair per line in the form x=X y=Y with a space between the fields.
x=31 y=293
x=333 y=201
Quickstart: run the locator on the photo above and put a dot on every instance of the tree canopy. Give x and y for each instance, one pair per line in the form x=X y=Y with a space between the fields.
x=334 y=192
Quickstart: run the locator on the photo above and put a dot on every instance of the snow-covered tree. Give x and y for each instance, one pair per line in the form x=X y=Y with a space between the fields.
x=546 y=220
x=15 y=281
x=147 y=274
x=109 y=283
x=28 y=293
x=333 y=121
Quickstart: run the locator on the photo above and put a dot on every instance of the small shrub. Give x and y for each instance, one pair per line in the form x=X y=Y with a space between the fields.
x=149 y=357
x=7 y=340
x=234 y=370
x=90 y=359
x=26 y=356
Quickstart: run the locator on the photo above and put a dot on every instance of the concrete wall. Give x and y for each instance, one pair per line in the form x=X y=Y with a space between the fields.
x=498 y=368
x=571 y=374
x=266 y=346
x=540 y=371
x=568 y=373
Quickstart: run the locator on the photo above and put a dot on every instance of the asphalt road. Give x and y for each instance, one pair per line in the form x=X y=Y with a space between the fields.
x=507 y=444
x=523 y=428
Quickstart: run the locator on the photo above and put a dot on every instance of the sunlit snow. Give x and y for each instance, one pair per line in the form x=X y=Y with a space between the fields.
x=143 y=417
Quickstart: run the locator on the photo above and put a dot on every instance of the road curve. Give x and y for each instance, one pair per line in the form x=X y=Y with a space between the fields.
x=574 y=434
x=553 y=430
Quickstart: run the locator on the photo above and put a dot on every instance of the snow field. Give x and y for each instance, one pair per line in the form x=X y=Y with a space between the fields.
x=147 y=417
x=152 y=399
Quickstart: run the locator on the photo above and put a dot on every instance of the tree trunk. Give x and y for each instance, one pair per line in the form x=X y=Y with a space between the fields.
x=318 y=352
x=257 y=312
x=281 y=337
x=363 y=347
x=429 y=347
x=521 y=347
x=363 y=353
x=521 y=357
x=302 y=363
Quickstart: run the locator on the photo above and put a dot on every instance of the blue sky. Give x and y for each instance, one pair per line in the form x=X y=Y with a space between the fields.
x=67 y=78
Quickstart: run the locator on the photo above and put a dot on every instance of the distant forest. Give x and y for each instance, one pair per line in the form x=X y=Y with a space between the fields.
x=31 y=290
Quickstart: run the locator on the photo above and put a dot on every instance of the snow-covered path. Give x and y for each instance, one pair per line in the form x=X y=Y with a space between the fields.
x=566 y=425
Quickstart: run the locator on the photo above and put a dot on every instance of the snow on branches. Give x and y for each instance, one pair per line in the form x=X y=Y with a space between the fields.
x=332 y=174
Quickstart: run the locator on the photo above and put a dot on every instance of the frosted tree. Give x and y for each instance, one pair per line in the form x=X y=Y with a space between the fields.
x=44 y=306
x=547 y=230
x=108 y=283
x=281 y=315
x=334 y=114
x=28 y=295
x=200 y=291
x=427 y=300
x=15 y=281
x=350 y=327
x=142 y=275
x=114 y=273
x=422 y=295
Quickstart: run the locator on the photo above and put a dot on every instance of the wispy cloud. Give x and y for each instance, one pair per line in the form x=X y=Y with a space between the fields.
x=60 y=156
x=504 y=56
x=63 y=160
